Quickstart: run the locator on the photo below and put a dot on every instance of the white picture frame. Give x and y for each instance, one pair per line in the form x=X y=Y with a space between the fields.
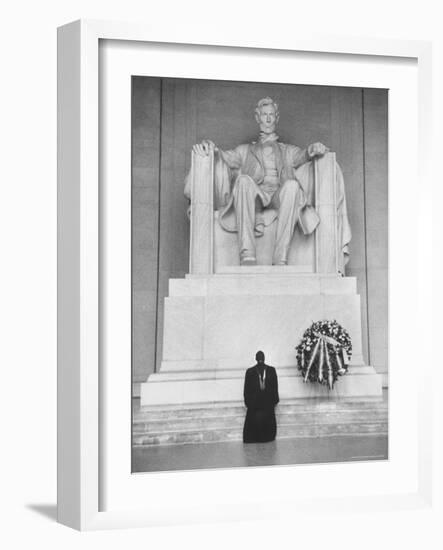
x=80 y=367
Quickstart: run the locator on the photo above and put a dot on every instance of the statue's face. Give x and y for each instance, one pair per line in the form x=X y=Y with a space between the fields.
x=267 y=119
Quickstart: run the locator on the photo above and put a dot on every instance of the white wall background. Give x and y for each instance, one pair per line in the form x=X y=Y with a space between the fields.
x=28 y=274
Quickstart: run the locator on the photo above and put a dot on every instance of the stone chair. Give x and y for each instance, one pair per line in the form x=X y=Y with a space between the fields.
x=214 y=250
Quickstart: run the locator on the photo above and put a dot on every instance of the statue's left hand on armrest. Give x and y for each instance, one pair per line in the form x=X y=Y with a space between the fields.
x=317 y=150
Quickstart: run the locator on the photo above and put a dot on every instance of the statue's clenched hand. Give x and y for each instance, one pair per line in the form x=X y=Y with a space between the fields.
x=317 y=150
x=204 y=148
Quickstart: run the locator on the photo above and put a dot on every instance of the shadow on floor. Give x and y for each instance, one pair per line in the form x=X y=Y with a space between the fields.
x=48 y=511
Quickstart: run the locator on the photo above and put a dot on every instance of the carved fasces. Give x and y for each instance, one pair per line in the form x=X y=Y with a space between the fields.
x=202 y=214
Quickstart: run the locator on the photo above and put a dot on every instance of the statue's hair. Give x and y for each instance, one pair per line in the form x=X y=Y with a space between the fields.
x=266 y=101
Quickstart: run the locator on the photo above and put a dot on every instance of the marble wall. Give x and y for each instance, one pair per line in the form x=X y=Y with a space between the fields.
x=167 y=122
x=145 y=222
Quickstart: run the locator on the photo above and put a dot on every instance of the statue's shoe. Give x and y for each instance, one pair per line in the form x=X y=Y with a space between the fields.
x=249 y=260
x=281 y=262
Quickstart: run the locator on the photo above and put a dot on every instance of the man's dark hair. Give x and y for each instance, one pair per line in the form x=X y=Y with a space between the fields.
x=260 y=356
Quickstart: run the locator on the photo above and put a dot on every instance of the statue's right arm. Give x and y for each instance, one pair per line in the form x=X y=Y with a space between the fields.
x=232 y=157
x=204 y=148
x=231 y=160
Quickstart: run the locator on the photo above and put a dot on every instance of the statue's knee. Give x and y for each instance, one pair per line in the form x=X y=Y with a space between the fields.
x=243 y=183
x=290 y=187
x=291 y=184
x=243 y=180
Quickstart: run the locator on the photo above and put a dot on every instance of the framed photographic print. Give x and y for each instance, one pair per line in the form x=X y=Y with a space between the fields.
x=233 y=274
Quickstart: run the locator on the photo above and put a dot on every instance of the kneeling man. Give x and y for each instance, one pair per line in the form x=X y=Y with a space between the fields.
x=261 y=396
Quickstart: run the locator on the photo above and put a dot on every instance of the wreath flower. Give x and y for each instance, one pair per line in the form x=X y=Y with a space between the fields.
x=324 y=353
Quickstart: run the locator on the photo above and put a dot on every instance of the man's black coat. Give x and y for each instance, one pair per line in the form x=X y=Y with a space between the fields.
x=260 y=424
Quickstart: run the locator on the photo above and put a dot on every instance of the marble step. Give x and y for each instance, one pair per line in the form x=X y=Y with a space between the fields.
x=170 y=373
x=149 y=413
x=217 y=422
x=224 y=422
x=284 y=431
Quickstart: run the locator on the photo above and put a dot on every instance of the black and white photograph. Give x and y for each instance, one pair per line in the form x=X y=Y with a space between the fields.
x=259 y=274
x=222 y=260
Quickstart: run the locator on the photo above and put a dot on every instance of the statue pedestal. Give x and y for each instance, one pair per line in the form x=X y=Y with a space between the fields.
x=214 y=324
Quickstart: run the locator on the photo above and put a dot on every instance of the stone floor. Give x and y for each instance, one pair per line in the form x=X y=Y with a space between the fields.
x=280 y=452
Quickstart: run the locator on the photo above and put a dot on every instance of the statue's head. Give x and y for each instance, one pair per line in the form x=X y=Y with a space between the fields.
x=267 y=115
x=260 y=357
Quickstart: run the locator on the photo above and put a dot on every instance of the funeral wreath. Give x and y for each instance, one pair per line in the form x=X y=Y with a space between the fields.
x=324 y=352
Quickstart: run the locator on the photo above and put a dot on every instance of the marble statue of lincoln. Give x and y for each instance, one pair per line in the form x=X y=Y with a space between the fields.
x=261 y=175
